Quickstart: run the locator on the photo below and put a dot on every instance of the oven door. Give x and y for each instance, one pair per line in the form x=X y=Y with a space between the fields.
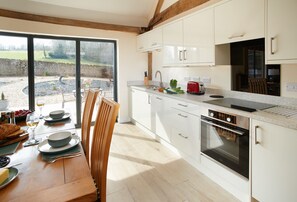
x=226 y=144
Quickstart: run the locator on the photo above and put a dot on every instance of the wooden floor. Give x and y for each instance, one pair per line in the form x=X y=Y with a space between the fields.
x=142 y=170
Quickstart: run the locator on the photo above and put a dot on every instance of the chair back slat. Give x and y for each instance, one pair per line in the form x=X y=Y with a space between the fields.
x=87 y=119
x=258 y=85
x=102 y=136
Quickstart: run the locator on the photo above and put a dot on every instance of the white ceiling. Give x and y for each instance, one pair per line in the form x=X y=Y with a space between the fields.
x=121 y=12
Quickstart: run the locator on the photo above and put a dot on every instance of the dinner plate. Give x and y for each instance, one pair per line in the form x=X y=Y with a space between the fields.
x=44 y=147
x=13 y=173
x=49 y=119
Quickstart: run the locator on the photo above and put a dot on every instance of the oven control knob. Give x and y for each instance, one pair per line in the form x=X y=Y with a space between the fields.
x=211 y=114
x=228 y=119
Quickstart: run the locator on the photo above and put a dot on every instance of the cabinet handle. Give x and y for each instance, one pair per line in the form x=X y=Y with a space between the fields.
x=149 y=99
x=236 y=36
x=158 y=98
x=182 y=105
x=256 y=135
x=272 y=51
x=183 y=136
x=180 y=55
x=154 y=44
x=185 y=54
x=184 y=116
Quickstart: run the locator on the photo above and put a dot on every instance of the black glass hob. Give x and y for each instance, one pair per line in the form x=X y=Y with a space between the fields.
x=244 y=105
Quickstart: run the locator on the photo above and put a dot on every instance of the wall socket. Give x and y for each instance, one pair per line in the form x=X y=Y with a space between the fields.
x=291 y=87
x=206 y=80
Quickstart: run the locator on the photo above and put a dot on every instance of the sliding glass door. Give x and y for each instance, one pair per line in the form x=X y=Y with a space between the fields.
x=14 y=71
x=57 y=71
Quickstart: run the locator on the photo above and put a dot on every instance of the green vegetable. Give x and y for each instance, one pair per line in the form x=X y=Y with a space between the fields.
x=173 y=83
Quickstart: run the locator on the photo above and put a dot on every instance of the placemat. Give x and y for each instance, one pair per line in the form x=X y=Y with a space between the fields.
x=48 y=157
x=9 y=149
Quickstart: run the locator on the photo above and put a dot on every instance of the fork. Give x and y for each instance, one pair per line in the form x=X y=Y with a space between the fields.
x=64 y=157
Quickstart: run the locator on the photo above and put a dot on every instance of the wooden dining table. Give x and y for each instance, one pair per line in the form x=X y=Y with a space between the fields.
x=64 y=180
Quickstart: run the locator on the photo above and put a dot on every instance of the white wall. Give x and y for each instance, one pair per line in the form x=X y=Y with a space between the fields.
x=131 y=64
x=288 y=74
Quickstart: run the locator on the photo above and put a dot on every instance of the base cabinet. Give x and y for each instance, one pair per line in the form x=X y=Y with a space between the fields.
x=274 y=162
x=141 y=107
x=185 y=133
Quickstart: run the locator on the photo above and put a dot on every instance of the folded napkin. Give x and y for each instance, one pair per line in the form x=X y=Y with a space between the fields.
x=51 y=156
x=9 y=149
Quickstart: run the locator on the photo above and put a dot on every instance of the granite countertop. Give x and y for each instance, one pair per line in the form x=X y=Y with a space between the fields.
x=263 y=115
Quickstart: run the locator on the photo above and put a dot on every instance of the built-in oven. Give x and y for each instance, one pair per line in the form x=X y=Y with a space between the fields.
x=225 y=139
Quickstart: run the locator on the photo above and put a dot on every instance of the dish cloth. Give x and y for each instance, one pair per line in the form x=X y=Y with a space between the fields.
x=50 y=156
x=9 y=149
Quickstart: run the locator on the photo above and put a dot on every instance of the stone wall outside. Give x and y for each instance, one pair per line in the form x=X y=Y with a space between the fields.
x=11 y=67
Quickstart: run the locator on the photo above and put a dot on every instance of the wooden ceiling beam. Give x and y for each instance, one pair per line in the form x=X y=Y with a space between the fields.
x=69 y=22
x=159 y=6
x=175 y=9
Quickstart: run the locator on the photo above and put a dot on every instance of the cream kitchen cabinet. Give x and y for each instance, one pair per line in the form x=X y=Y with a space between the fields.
x=141 y=107
x=161 y=116
x=274 y=162
x=150 y=41
x=189 y=41
x=185 y=133
x=239 y=20
x=281 y=38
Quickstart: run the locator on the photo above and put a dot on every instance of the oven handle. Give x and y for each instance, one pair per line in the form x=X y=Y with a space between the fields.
x=231 y=130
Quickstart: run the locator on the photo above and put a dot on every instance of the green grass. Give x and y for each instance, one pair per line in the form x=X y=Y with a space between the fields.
x=39 y=56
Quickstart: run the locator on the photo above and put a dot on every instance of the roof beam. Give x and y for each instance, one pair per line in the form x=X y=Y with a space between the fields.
x=159 y=6
x=69 y=22
x=175 y=9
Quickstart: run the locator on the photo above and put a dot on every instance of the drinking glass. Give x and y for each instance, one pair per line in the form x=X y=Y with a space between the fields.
x=32 y=121
x=40 y=103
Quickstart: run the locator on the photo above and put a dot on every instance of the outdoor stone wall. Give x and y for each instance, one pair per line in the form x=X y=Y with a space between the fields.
x=10 y=67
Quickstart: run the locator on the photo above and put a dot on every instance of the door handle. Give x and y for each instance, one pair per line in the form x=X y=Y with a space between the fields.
x=272 y=51
x=256 y=135
x=185 y=54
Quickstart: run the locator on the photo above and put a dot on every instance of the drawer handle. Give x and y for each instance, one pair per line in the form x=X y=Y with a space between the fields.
x=158 y=98
x=185 y=54
x=182 y=105
x=256 y=135
x=154 y=44
x=183 y=116
x=183 y=136
x=236 y=36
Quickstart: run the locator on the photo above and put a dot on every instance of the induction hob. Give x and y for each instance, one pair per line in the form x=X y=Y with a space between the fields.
x=244 y=105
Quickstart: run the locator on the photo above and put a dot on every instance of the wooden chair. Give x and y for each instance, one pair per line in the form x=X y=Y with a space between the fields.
x=102 y=136
x=86 y=121
x=258 y=85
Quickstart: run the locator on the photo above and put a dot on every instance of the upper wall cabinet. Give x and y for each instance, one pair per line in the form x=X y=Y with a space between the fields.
x=239 y=20
x=149 y=41
x=281 y=39
x=189 y=41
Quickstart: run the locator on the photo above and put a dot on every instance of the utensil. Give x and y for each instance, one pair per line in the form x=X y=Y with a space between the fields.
x=64 y=157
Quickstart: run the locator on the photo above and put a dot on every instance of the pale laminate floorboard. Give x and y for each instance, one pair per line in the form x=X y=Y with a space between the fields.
x=142 y=170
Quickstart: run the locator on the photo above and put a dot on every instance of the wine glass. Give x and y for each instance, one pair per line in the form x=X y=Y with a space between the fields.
x=32 y=121
x=40 y=103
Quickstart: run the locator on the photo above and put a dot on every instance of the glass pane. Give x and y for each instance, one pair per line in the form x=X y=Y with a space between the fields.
x=54 y=63
x=14 y=72
x=97 y=66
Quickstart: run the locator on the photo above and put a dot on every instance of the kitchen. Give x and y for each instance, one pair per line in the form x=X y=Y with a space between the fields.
x=214 y=71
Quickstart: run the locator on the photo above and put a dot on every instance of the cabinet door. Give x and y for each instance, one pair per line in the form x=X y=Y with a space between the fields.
x=155 y=39
x=160 y=120
x=142 y=42
x=281 y=37
x=274 y=163
x=141 y=107
x=173 y=43
x=239 y=20
x=185 y=133
x=199 y=38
